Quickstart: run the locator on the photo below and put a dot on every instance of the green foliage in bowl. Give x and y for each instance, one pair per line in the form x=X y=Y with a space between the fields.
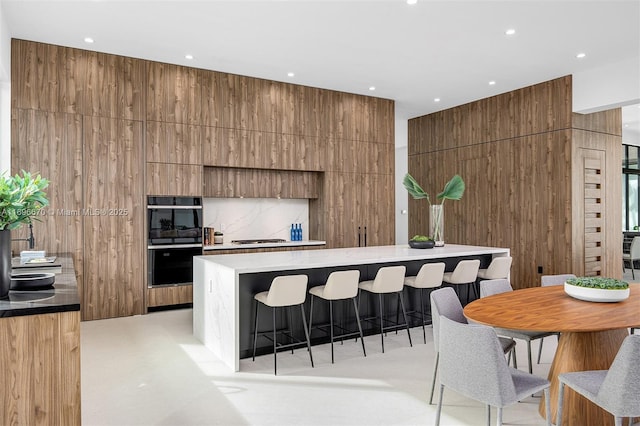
x=421 y=238
x=599 y=282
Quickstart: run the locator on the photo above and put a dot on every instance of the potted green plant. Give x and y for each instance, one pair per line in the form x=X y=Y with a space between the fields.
x=21 y=198
x=597 y=289
x=453 y=190
x=421 y=242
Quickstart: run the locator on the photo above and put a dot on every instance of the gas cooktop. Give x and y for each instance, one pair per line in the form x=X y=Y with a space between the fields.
x=259 y=241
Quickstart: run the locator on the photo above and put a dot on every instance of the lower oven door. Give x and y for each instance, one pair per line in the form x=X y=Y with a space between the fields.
x=171 y=265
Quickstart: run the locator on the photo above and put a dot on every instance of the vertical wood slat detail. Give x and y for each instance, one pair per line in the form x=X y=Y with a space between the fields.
x=226 y=182
x=174 y=179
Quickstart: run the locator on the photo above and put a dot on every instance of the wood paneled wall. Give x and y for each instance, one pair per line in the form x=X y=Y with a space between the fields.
x=40 y=369
x=106 y=129
x=227 y=182
x=517 y=155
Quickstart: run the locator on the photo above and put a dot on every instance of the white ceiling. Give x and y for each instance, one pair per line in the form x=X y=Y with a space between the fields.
x=410 y=53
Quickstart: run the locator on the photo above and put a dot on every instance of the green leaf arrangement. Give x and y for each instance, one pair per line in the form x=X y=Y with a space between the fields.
x=453 y=190
x=599 y=282
x=21 y=198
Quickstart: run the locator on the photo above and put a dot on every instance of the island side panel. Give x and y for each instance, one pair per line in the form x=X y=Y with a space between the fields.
x=215 y=310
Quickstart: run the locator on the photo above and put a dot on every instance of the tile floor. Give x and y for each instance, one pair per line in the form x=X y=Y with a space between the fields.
x=150 y=370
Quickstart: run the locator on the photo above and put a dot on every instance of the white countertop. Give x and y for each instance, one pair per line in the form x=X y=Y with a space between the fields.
x=306 y=259
x=231 y=246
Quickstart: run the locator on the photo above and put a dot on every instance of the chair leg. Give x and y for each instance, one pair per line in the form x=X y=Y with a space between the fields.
x=433 y=382
x=488 y=415
x=560 y=404
x=439 y=409
x=547 y=406
x=255 y=330
x=633 y=273
x=355 y=306
x=540 y=349
x=331 y=327
x=311 y=315
x=381 y=321
x=424 y=331
x=306 y=334
x=529 y=356
x=404 y=314
x=618 y=421
x=515 y=360
x=275 y=345
x=499 y=416
x=289 y=320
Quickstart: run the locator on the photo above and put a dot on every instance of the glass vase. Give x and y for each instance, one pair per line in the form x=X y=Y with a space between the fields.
x=436 y=224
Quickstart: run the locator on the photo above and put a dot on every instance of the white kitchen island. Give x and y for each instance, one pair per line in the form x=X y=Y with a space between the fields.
x=223 y=285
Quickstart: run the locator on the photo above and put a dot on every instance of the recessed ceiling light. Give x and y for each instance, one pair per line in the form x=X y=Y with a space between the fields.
x=412 y=1
x=581 y=55
x=492 y=83
x=510 y=31
x=436 y=99
x=188 y=56
x=290 y=74
x=88 y=40
x=372 y=88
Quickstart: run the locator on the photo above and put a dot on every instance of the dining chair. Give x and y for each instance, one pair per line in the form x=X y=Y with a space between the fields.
x=634 y=254
x=546 y=281
x=491 y=287
x=429 y=277
x=285 y=291
x=616 y=390
x=473 y=365
x=445 y=303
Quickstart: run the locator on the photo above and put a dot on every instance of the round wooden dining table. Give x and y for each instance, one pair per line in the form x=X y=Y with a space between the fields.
x=591 y=334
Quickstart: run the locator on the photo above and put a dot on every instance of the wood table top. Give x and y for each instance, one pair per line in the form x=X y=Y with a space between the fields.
x=551 y=309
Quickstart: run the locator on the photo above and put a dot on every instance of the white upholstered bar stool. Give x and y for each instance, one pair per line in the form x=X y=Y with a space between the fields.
x=388 y=279
x=285 y=291
x=429 y=277
x=465 y=273
x=341 y=285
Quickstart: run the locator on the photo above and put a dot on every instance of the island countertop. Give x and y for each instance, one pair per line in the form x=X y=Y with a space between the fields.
x=291 y=260
x=63 y=297
x=233 y=246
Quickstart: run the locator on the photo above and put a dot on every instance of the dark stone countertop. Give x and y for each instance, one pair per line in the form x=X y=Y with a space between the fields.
x=63 y=297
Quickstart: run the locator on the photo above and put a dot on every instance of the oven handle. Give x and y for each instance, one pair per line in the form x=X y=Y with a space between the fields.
x=149 y=207
x=170 y=246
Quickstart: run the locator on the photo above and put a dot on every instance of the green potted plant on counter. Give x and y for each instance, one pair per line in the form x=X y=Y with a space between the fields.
x=453 y=190
x=21 y=198
x=597 y=289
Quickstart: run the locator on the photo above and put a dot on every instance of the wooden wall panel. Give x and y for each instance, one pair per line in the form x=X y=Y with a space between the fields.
x=40 y=364
x=174 y=143
x=174 y=93
x=174 y=179
x=535 y=109
x=608 y=121
x=51 y=144
x=227 y=182
x=114 y=232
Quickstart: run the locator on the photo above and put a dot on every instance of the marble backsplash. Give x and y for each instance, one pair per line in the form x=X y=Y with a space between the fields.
x=248 y=218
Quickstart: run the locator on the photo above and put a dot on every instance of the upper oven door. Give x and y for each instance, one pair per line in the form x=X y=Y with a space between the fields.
x=179 y=223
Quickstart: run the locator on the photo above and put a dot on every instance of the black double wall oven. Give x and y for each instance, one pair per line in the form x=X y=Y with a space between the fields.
x=174 y=237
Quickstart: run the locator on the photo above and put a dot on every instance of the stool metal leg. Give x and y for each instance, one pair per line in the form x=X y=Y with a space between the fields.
x=275 y=343
x=424 y=332
x=355 y=306
x=381 y=321
x=290 y=325
x=255 y=331
x=404 y=313
x=331 y=327
x=311 y=315
x=306 y=333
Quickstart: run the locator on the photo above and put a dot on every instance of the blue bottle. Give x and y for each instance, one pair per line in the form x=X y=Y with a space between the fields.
x=299 y=232
x=293 y=232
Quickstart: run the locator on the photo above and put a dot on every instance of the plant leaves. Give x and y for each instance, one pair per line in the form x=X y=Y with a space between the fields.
x=453 y=190
x=414 y=189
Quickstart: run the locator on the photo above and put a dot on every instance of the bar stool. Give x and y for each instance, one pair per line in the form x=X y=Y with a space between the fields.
x=498 y=269
x=429 y=277
x=465 y=273
x=285 y=291
x=341 y=285
x=389 y=279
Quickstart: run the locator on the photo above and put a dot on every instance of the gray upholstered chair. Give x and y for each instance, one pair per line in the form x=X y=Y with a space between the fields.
x=341 y=285
x=429 y=277
x=547 y=281
x=616 y=390
x=634 y=254
x=491 y=287
x=473 y=365
x=445 y=303
x=285 y=291
x=388 y=279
